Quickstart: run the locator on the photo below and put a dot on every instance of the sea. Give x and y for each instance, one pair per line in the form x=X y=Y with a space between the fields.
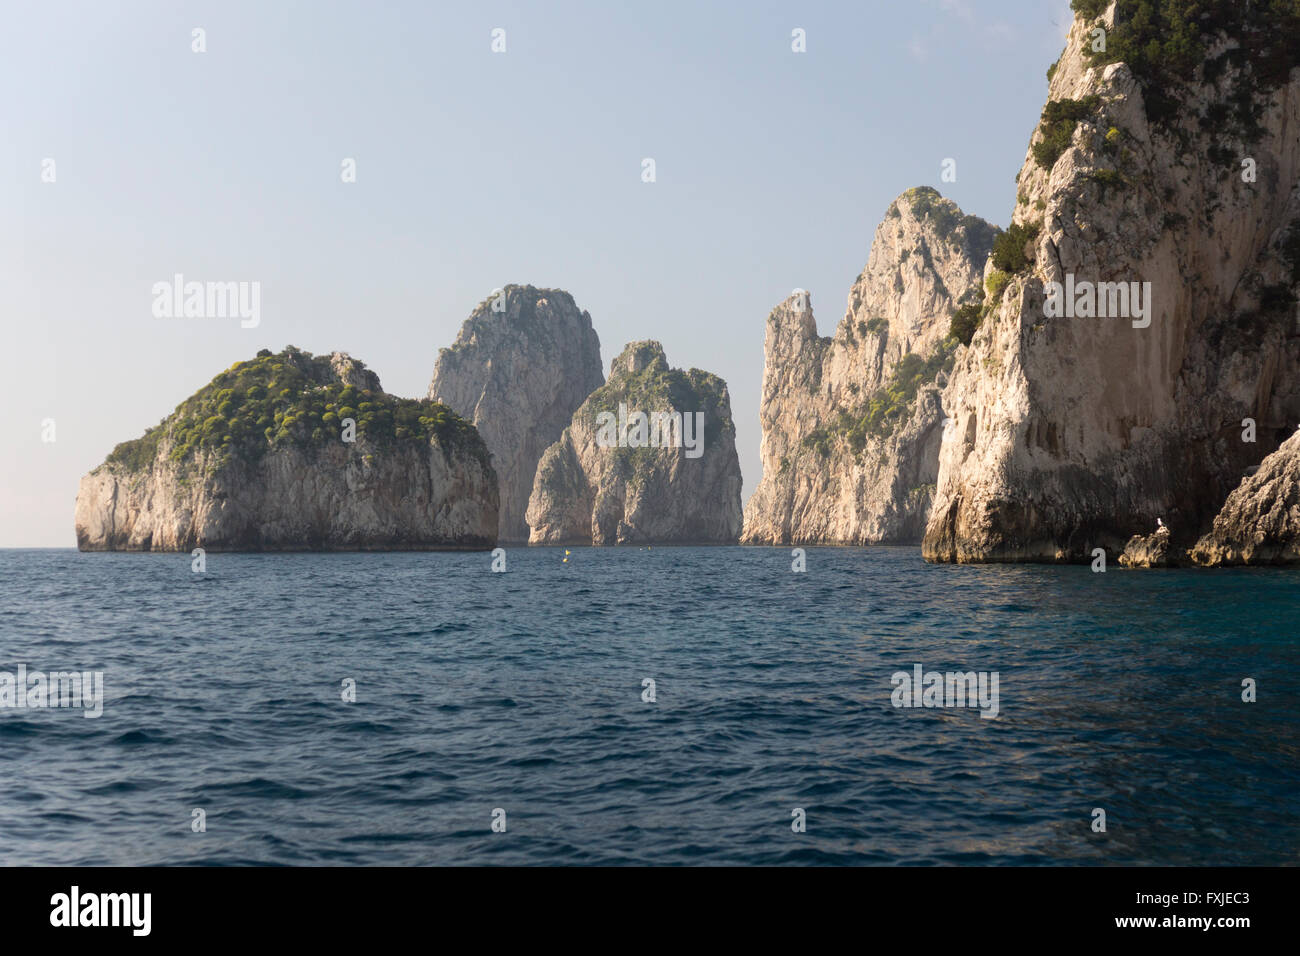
x=657 y=705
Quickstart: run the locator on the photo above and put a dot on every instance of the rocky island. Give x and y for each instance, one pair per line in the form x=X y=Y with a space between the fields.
x=649 y=458
x=291 y=451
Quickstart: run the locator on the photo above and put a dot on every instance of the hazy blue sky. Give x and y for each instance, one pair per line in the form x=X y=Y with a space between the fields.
x=474 y=170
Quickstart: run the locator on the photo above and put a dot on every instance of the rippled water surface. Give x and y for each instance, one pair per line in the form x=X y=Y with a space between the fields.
x=523 y=691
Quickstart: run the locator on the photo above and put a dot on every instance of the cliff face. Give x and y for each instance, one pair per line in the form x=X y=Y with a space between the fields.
x=614 y=478
x=1260 y=521
x=256 y=461
x=519 y=374
x=1074 y=431
x=852 y=424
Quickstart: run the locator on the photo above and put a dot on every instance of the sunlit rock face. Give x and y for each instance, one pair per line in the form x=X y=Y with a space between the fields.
x=524 y=361
x=258 y=461
x=1072 y=432
x=613 y=478
x=852 y=423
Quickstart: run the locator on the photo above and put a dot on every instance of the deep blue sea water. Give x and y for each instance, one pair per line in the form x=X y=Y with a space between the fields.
x=523 y=691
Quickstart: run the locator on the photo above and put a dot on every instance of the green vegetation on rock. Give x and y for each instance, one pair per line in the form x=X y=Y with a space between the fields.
x=1057 y=125
x=290 y=398
x=947 y=219
x=1009 y=254
x=658 y=388
x=886 y=408
x=1165 y=43
x=1108 y=179
x=965 y=320
x=995 y=284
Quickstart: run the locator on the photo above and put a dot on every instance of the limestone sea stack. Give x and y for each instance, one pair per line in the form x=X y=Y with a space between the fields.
x=258 y=460
x=1142 y=304
x=649 y=458
x=852 y=423
x=524 y=361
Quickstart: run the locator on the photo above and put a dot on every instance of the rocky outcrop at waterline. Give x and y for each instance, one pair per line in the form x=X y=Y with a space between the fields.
x=649 y=458
x=1169 y=163
x=1260 y=521
x=852 y=423
x=1150 y=551
x=524 y=361
x=258 y=460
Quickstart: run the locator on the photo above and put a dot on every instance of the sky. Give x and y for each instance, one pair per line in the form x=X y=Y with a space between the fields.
x=473 y=169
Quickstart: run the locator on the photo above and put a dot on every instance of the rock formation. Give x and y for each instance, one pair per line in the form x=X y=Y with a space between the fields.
x=1260 y=522
x=616 y=478
x=1150 y=551
x=1169 y=158
x=524 y=361
x=258 y=461
x=852 y=424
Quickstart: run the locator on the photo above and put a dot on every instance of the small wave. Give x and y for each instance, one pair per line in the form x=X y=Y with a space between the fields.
x=260 y=788
x=134 y=738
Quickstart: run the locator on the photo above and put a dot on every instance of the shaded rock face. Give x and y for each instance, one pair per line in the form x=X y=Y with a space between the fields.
x=519 y=372
x=1260 y=521
x=1075 y=432
x=240 y=466
x=844 y=460
x=589 y=490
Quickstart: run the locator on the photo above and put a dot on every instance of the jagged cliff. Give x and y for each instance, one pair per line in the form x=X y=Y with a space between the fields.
x=615 y=477
x=852 y=423
x=524 y=361
x=257 y=461
x=1171 y=157
x=1260 y=521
